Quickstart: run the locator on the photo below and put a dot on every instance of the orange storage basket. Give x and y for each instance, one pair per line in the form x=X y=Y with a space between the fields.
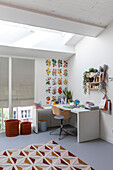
x=25 y=128
x=12 y=127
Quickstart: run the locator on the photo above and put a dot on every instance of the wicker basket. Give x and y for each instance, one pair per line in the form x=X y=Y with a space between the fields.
x=12 y=127
x=25 y=128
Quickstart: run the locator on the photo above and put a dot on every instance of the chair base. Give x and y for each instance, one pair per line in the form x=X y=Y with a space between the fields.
x=62 y=129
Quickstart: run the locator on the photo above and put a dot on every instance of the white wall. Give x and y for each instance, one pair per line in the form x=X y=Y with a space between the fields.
x=39 y=90
x=93 y=52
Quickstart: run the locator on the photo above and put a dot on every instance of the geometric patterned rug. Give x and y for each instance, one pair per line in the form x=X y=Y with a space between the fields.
x=49 y=156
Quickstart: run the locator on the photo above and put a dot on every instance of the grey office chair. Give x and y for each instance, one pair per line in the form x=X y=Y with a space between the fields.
x=61 y=115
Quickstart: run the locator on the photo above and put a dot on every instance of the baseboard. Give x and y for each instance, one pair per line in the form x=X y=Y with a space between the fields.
x=2 y=131
x=107 y=139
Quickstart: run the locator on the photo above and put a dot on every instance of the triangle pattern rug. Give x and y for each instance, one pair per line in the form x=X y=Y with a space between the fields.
x=49 y=156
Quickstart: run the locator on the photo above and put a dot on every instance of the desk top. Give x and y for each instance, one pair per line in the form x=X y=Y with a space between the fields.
x=47 y=107
x=74 y=110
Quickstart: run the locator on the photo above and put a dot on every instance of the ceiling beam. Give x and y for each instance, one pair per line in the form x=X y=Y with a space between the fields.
x=22 y=16
x=32 y=53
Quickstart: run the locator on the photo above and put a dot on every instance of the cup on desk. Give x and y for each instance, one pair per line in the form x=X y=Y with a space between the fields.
x=71 y=103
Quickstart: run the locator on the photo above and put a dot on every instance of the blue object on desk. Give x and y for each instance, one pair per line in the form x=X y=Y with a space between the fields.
x=77 y=101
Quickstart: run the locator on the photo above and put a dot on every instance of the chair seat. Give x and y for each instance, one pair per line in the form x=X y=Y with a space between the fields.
x=59 y=117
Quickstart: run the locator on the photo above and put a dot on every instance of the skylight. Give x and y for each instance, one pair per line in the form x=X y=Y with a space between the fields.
x=20 y=35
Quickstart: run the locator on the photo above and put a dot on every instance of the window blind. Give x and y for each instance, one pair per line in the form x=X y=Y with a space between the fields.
x=22 y=82
x=4 y=82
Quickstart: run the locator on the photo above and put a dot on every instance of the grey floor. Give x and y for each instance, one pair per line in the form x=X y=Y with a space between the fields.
x=97 y=153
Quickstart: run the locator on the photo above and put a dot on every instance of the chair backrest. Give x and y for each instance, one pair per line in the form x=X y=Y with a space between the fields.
x=66 y=114
x=58 y=111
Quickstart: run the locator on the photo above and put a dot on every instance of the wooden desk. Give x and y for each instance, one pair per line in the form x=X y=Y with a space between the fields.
x=87 y=123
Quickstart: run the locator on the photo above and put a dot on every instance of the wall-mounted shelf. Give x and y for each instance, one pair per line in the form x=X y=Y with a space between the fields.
x=95 y=81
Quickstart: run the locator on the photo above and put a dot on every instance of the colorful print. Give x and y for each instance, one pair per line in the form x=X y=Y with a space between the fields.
x=60 y=90
x=65 y=63
x=60 y=72
x=60 y=81
x=48 y=63
x=53 y=98
x=54 y=72
x=48 y=81
x=54 y=90
x=54 y=81
x=54 y=62
x=48 y=90
x=48 y=100
x=56 y=78
x=65 y=82
x=65 y=72
x=59 y=63
x=48 y=71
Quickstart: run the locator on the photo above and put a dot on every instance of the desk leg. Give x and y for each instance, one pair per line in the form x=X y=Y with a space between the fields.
x=78 y=132
x=35 y=121
x=87 y=125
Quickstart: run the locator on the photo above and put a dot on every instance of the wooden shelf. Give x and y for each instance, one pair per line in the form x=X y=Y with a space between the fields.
x=94 y=88
x=98 y=81
x=95 y=82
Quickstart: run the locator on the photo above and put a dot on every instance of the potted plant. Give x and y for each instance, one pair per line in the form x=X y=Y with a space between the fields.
x=85 y=81
x=68 y=95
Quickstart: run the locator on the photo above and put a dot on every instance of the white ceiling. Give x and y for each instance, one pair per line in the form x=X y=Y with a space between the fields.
x=95 y=12
x=79 y=17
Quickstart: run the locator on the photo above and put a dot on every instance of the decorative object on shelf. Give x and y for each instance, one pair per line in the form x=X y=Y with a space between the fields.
x=91 y=70
x=95 y=79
